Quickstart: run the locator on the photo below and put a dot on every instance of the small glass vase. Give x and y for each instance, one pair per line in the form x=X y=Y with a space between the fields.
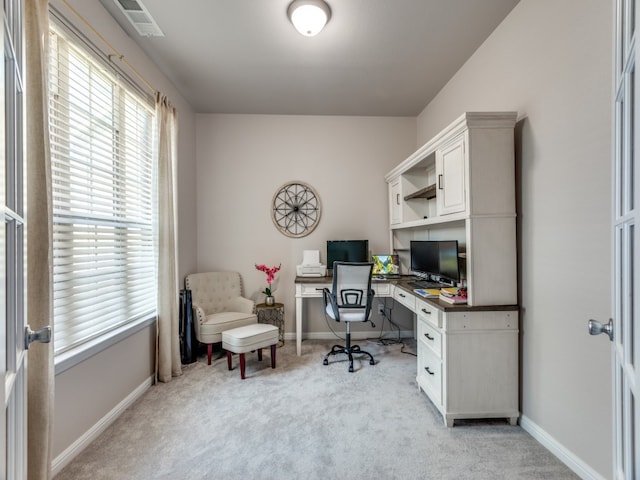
x=270 y=301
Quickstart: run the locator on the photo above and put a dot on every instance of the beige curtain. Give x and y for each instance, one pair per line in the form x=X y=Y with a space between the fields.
x=168 y=346
x=39 y=240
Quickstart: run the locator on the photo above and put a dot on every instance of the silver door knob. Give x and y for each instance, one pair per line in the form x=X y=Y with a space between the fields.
x=596 y=328
x=42 y=335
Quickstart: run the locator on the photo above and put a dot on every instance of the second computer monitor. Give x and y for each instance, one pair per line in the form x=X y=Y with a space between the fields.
x=435 y=259
x=448 y=260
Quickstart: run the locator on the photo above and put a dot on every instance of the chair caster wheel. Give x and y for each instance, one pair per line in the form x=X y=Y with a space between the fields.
x=325 y=362
x=351 y=369
x=371 y=362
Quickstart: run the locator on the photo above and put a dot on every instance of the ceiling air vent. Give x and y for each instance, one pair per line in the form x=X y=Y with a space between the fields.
x=140 y=18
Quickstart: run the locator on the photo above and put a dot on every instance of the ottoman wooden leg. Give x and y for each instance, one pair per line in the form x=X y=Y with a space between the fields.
x=242 y=366
x=259 y=354
x=209 y=352
x=273 y=356
x=229 y=356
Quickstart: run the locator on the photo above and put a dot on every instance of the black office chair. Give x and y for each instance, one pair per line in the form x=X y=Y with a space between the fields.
x=348 y=301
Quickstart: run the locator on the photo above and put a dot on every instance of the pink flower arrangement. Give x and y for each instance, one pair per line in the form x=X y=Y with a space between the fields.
x=271 y=275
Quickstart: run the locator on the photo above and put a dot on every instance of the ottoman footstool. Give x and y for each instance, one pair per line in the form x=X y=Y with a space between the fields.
x=247 y=339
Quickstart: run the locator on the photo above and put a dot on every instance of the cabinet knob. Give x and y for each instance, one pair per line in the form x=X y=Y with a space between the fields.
x=429 y=336
x=429 y=371
x=402 y=295
x=425 y=311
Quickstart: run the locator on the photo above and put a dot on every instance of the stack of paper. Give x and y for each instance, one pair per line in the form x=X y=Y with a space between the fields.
x=451 y=295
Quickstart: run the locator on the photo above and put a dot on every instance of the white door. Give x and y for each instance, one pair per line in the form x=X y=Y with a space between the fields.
x=11 y=287
x=623 y=330
x=12 y=279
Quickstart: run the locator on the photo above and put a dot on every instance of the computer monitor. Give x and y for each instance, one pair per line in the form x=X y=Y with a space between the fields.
x=385 y=265
x=347 y=251
x=448 y=261
x=425 y=260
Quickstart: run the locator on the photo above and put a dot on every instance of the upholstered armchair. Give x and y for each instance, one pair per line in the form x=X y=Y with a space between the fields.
x=218 y=305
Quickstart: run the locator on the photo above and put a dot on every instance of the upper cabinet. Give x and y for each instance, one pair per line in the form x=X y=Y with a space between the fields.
x=467 y=169
x=450 y=172
x=395 y=202
x=412 y=194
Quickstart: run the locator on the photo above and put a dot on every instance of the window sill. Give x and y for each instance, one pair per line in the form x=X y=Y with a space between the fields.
x=70 y=359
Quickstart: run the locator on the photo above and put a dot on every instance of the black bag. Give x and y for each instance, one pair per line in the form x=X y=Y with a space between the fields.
x=188 y=342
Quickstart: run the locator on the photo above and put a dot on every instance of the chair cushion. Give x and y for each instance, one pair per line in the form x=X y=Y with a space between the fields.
x=216 y=323
x=250 y=337
x=348 y=314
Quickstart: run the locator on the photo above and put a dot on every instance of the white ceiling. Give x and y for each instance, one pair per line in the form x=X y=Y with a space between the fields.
x=374 y=57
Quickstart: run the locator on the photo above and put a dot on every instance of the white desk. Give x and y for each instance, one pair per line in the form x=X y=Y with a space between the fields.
x=467 y=360
x=311 y=287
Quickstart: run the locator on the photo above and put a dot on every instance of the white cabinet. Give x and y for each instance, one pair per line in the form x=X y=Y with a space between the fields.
x=468 y=361
x=450 y=172
x=412 y=195
x=461 y=186
x=395 y=205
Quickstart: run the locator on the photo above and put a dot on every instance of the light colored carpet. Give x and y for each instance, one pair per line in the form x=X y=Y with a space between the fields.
x=304 y=420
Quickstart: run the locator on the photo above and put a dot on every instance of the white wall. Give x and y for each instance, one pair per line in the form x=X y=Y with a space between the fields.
x=86 y=393
x=551 y=61
x=242 y=160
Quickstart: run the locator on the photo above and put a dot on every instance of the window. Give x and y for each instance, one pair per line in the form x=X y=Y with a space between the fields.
x=102 y=137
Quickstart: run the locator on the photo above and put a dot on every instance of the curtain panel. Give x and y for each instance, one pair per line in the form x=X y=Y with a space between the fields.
x=39 y=240
x=168 y=362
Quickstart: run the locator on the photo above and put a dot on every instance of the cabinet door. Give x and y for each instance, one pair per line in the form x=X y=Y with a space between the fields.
x=450 y=173
x=395 y=202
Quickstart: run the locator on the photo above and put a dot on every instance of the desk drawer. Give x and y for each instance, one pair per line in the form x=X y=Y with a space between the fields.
x=430 y=336
x=382 y=289
x=405 y=298
x=430 y=313
x=430 y=373
x=313 y=289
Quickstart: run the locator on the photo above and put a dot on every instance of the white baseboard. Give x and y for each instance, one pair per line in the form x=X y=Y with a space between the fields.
x=390 y=335
x=90 y=435
x=576 y=464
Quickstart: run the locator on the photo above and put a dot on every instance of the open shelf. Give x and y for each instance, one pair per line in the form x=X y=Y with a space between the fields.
x=426 y=192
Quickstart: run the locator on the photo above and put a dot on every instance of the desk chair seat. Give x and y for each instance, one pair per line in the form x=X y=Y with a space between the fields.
x=349 y=300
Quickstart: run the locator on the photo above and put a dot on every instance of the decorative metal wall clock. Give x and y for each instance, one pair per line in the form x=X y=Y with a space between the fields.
x=295 y=209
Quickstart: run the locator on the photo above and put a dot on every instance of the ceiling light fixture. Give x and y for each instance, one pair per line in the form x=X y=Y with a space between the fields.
x=309 y=16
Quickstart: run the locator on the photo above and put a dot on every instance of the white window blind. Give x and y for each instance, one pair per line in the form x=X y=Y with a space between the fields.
x=102 y=135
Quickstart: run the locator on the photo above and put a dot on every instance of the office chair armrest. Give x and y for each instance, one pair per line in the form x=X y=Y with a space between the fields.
x=241 y=304
x=372 y=293
x=330 y=299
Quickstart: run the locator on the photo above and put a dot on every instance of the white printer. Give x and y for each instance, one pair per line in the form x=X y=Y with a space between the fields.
x=311 y=266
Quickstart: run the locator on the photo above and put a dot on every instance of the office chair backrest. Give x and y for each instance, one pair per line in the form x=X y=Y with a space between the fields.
x=351 y=283
x=351 y=290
